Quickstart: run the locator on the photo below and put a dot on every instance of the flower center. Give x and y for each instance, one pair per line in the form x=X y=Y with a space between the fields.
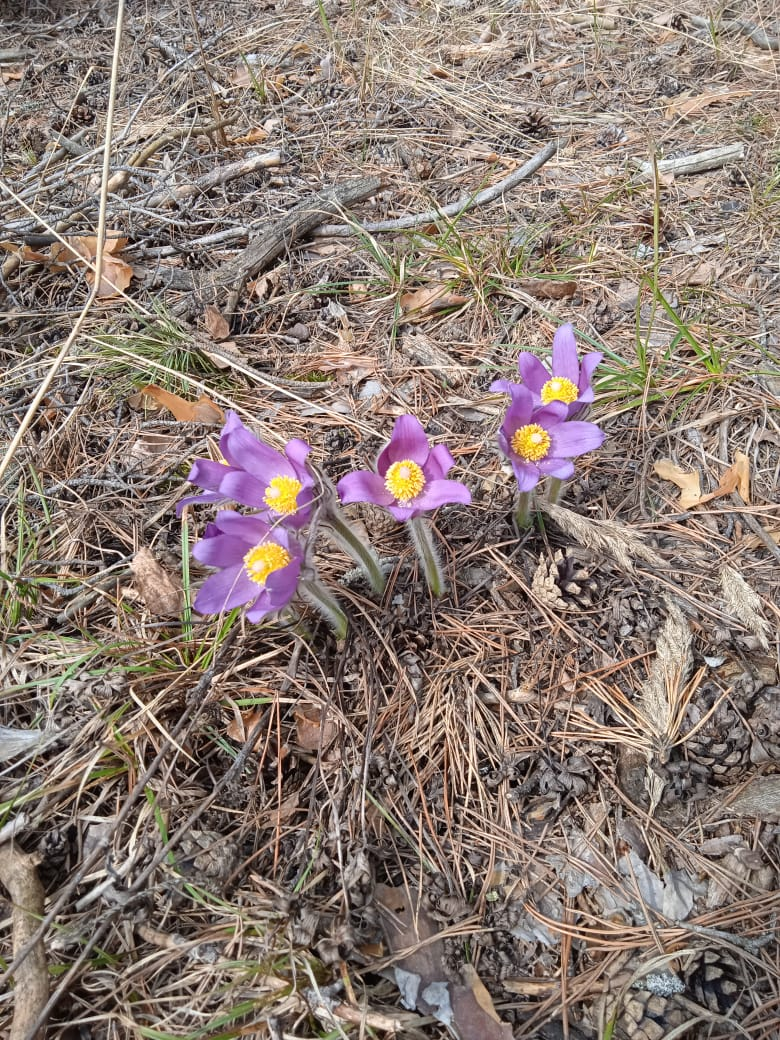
x=531 y=442
x=405 y=480
x=559 y=389
x=264 y=559
x=281 y=495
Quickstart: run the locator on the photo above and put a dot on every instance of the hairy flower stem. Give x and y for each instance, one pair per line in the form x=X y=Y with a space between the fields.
x=523 y=510
x=317 y=596
x=364 y=556
x=429 y=557
x=554 y=486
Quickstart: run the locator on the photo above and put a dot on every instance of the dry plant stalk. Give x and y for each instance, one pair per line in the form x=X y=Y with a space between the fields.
x=618 y=541
x=660 y=696
x=653 y=722
x=745 y=604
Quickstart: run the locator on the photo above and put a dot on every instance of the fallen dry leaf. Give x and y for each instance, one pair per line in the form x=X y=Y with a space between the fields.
x=547 y=288
x=735 y=478
x=217 y=326
x=253 y=137
x=685 y=480
x=480 y=153
x=739 y=471
x=25 y=253
x=116 y=274
x=312 y=733
x=691 y=106
x=203 y=410
x=244 y=722
x=429 y=300
x=410 y=932
x=701 y=272
x=161 y=594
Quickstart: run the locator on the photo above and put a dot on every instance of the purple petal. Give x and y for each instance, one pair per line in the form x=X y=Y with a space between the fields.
x=364 y=486
x=440 y=462
x=249 y=529
x=241 y=487
x=534 y=374
x=569 y=439
x=244 y=450
x=564 y=354
x=520 y=408
x=503 y=443
x=560 y=468
x=403 y=512
x=224 y=590
x=504 y=386
x=589 y=364
x=408 y=441
x=440 y=492
x=283 y=584
x=208 y=474
x=526 y=474
x=207 y=496
x=220 y=550
x=261 y=608
x=232 y=423
x=550 y=415
x=297 y=452
x=582 y=402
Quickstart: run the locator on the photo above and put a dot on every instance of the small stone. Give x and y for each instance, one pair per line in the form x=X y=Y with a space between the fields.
x=371 y=388
x=299 y=331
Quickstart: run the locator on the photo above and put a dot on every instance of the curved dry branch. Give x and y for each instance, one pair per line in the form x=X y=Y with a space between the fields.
x=452 y=209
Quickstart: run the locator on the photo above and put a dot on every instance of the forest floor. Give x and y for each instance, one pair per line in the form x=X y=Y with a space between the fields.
x=545 y=804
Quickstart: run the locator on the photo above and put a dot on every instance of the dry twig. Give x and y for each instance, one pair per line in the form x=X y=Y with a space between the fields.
x=19 y=876
x=454 y=209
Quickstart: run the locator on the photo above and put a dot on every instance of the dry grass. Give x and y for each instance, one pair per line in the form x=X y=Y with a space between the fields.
x=547 y=756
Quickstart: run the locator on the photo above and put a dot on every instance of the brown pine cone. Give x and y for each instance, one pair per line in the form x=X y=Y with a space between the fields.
x=722 y=744
x=564 y=582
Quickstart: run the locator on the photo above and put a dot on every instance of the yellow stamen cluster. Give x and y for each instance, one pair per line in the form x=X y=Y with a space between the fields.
x=405 y=480
x=559 y=389
x=281 y=495
x=531 y=442
x=264 y=559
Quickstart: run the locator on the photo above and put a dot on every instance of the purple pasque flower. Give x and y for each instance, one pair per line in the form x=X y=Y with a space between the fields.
x=280 y=485
x=540 y=442
x=259 y=566
x=410 y=477
x=569 y=381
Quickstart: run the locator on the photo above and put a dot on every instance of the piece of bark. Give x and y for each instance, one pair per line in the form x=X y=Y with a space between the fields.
x=219 y=175
x=223 y=287
x=19 y=876
x=711 y=159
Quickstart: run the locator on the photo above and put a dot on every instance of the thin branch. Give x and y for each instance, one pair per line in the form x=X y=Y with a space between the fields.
x=453 y=209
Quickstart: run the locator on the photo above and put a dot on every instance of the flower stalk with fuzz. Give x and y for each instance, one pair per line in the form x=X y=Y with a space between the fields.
x=255 y=475
x=410 y=480
x=540 y=442
x=569 y=381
